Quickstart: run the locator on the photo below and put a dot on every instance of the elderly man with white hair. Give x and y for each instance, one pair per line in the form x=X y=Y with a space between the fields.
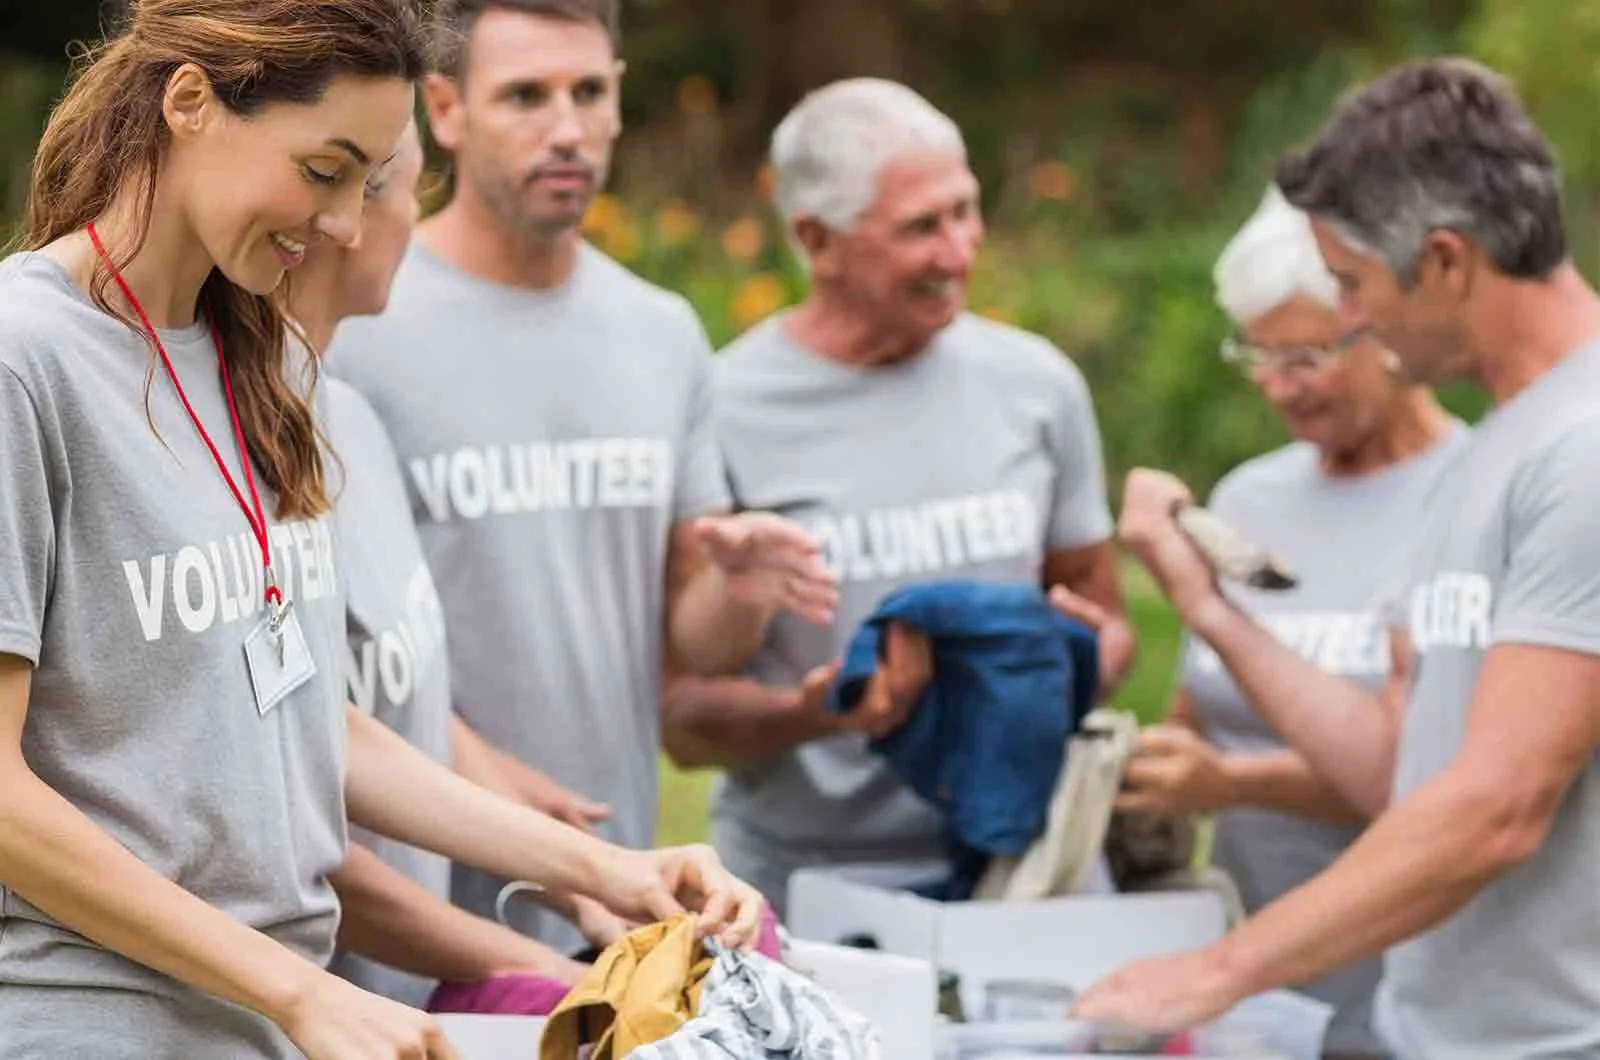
x=917 y=443
x=1342 y=504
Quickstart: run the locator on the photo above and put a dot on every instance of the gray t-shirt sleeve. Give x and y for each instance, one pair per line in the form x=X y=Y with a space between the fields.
x=1082 y=515
x=27 y=526
x=1550 y=594
x=702 y=485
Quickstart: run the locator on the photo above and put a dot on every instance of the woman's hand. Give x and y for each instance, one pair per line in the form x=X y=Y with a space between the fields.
x=331 y=1019
x=650 y=885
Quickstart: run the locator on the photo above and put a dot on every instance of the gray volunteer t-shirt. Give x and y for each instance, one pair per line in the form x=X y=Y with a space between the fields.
x=1348 y=540
x=130 y=578
x=549 y=441
x=1511 y=555
x=970 y=461
x=396 y=666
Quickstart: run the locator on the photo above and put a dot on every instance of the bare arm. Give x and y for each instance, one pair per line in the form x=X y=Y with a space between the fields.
x=707 y=633
x=1178 y=772
x=711 y=721
x=60 y=861
x=1419 y=863
x=395 y=790
x=473 y=758
x=390 y=918
x=57 y=859
x=1282 y=781
x=1345 y=735
x=728 y=576
x=505 y=775
x=496 y=771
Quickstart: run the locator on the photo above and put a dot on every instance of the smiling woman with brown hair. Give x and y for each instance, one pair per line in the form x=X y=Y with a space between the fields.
x=171 y=732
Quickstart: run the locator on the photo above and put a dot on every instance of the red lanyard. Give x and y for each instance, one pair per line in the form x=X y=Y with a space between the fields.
x=252 y=509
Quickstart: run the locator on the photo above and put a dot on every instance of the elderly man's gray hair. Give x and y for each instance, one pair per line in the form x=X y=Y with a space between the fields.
x=828 y=153
x=1439 y=143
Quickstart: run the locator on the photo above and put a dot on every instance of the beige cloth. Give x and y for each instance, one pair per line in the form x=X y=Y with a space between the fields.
x=1143 y=853
x=1059 y=861
x=644 y=988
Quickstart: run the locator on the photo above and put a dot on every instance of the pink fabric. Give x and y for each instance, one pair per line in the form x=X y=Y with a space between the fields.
x=500 y=995
x=767 y=942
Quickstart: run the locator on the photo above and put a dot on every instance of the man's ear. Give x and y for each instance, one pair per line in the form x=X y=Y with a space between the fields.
x=818 y=242
x=441 y=94
x=1448 y=263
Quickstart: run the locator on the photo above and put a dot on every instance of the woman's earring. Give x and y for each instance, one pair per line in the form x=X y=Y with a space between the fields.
x=1391 y=362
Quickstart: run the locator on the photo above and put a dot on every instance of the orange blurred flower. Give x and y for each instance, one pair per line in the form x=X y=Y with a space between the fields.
x=744 y=240
x=756 y=299
x=696 y=94
x=677 y=223
x=621 y=241
x=1053 y=180
x=605 y=212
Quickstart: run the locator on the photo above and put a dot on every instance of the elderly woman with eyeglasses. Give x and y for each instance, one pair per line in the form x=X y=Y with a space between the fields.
x=1340 y=504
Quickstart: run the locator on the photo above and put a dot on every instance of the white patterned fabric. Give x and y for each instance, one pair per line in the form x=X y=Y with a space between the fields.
x=753 y=1008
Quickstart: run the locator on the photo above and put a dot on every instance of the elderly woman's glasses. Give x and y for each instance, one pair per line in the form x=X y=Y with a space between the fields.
x=1250 y=358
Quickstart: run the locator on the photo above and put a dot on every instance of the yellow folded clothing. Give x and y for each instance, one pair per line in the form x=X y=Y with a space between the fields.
x=644 y=987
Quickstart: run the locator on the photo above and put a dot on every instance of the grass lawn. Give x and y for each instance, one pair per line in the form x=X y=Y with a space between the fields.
x=684 y=794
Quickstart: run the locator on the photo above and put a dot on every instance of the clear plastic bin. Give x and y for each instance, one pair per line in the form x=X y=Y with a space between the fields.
x=1280 y=1025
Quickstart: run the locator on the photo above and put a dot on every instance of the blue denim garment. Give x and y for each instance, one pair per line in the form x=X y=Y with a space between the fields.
x=1012 y=679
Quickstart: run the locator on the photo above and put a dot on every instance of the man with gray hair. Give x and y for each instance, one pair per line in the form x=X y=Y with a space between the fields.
x=916 y=442
x=1435 y=204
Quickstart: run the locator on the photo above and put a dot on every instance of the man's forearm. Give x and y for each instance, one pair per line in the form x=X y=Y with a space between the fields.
x=710 y=634
x=1284 y=782
x=729 y=721
x=390 y=918
x=395 y=790
x=1345 y=734
x=1418 y=864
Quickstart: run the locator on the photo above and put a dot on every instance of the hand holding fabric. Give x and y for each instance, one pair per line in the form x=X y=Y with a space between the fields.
x=1175 y=771
x=653 y=885
x=901 y=677
x=1147 y=528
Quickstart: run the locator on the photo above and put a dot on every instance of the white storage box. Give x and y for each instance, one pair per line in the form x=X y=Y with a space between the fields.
x=478 y=1037
x=899 y=995
x=1073 y=941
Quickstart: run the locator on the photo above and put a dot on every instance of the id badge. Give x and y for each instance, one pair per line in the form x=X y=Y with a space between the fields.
x=278 y=659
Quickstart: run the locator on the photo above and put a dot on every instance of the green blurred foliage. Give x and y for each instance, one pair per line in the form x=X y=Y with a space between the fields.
x=1118 y=152
x=1551 y=49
